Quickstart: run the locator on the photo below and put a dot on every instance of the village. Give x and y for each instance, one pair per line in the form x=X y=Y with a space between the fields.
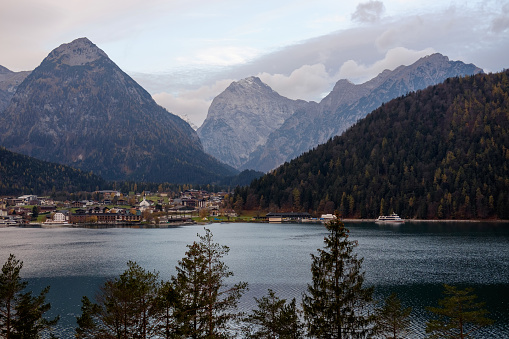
x=114 y=208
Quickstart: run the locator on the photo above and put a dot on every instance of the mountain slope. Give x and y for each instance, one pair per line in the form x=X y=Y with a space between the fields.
x=346 y=104
x=9 y=81
x=241 y=118
x=78 y=108
x=437 y=153
x=20 y=174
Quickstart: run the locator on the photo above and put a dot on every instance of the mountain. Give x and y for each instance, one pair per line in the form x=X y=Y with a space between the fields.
x=21 y=174
x=241 y=118
x=9 y=81
x=441 y=152
x=78 y=108
x=347 y=103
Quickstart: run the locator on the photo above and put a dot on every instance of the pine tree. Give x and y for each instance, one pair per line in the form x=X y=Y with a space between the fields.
x=125 y=307
x=459 y=315
x=29 y=321
x=10 y=286
x=336 y=304
x=21 y=314
x=207 y=303
x=392 y=321
x=274 y=318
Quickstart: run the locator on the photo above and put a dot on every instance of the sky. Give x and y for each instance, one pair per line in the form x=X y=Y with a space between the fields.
x=186 y=52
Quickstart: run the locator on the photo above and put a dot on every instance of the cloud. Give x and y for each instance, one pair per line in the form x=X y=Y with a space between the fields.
x=192 y=105
x=395 y=57
x=501 y=22
x=368 y=12
x=222 y=56
x=307 y=82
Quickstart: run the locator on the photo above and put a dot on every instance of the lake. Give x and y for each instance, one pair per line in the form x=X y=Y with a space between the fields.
x=413 y=259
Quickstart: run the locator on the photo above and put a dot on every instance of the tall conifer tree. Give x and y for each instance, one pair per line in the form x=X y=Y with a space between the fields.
x=21 y=314
x=336 y=304
x=207 y=303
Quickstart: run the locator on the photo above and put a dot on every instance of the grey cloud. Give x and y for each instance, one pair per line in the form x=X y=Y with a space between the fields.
x=369 y=11
x=501 y=22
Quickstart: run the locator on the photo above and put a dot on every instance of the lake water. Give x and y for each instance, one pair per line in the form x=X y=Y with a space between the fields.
x=413 y=259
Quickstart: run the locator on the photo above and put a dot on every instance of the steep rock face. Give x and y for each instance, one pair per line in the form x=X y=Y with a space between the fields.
x=9 y=82
x=241 y=118
x=78 y=108
x=346 y=104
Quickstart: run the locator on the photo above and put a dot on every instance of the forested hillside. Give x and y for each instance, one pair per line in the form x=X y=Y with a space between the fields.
x=20 y=174
x=442 y=152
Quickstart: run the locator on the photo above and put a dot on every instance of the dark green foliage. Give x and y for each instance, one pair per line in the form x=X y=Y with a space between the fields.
x=207 y=308
x=392 y=321
x=336 y=304
x=244 y=178
x=458 y=316
x=274 y=318
x=197 y=303
x=87 y=327
x=125 y=307
x=437 y=153
x=11 y=286
x=20 y=174
x=21 y=314
x=29 y=321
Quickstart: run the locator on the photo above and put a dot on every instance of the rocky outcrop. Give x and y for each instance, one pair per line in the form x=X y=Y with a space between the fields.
x=242 y=117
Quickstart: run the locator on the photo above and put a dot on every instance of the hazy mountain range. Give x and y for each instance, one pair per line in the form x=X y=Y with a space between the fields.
x=250 y=126
x=80 y=109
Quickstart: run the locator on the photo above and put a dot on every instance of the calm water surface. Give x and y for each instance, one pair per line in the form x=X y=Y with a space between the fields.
x=413 y=259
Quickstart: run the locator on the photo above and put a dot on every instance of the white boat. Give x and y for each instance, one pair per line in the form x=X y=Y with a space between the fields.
x=393 y=218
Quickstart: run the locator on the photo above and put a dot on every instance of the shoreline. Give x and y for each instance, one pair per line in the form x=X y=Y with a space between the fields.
x=178 y=224
x=435 y=220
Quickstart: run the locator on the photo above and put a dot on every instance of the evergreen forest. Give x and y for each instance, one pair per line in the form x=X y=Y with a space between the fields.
x=21 y=174
x=438 y=153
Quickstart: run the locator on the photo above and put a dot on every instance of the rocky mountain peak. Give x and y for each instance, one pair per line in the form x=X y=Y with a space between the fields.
x=242 y=117
x=78 y=108
x=76 y=53
x=248 y=86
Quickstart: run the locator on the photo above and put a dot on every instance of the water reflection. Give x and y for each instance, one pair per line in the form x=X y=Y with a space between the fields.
x=413 y=259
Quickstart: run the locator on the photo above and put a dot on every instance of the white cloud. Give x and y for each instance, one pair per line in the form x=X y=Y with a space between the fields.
x=221 y=56
x=307 y=82
x=359 y=73
x=192 y=105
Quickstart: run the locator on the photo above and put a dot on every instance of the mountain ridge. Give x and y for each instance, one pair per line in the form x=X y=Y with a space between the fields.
x=335 y=113
x=434 y=153
x=310 y=123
